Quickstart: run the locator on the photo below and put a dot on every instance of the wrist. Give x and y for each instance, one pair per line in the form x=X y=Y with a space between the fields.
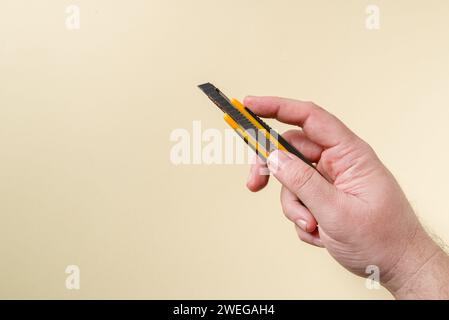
x=422 y=270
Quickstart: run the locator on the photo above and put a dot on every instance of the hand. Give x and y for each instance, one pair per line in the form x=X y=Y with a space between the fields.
x=354 y=208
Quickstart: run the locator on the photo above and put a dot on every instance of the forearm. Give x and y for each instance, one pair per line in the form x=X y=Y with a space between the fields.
x=422 y=272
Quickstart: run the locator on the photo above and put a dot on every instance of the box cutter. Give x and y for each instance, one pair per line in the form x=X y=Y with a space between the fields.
x=255 y=132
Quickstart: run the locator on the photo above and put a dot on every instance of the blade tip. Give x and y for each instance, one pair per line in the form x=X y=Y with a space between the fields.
x=205 y=86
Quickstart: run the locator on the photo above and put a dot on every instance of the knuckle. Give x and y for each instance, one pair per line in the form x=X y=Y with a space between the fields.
x=289 y=133
x=311 y=104
x=364 y=149
x=285 y=209
x=285 y=204
x=301 y=178
x=315 y=109
x=366 y=146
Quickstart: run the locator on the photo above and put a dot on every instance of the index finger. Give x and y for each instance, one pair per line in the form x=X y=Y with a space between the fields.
x=319 y=125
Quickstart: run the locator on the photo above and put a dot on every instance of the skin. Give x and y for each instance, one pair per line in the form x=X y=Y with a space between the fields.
x=353 y=206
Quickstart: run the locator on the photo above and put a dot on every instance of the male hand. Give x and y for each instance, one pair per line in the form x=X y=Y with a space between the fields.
x=354 y=208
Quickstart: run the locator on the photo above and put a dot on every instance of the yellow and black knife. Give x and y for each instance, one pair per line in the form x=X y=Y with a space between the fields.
x=255 y=132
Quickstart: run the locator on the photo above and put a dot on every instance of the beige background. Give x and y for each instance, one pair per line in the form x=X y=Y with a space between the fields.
x=85 y=118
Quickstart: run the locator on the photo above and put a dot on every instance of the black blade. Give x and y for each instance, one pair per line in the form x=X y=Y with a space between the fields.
x=226 y=106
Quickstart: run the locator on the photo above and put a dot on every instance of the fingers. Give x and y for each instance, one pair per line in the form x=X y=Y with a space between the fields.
x=258 y=175
x=296 y=212
x=285 y=110
x=310 y=238
x=309 y=149
x=319 y=125
x=317 y=194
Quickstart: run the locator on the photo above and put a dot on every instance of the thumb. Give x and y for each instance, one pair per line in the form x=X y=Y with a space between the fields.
x=317 y=194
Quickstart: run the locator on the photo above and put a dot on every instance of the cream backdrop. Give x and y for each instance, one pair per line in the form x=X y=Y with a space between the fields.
x=86 y=115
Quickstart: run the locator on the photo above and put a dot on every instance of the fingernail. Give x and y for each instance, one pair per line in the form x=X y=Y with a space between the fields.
x=276 y=160
x=302 y=224
x=263 y=171
x=250 y=176
x=248 y=99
